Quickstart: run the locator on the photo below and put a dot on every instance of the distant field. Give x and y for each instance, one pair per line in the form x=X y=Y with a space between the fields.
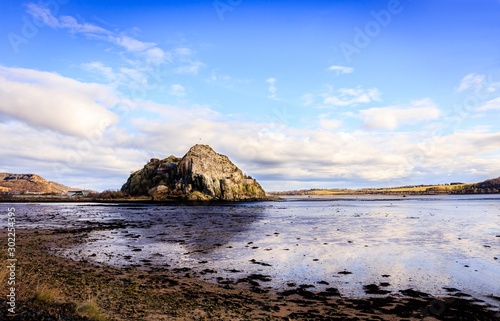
x=330 y=192
x=419 y=189
x=425 y=188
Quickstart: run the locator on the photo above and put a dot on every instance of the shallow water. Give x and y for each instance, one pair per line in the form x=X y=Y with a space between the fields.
x=425 y=243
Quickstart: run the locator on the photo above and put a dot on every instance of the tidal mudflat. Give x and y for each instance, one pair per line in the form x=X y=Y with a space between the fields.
x=349 y=247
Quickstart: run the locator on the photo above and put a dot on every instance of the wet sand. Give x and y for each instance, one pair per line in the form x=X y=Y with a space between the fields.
x=164 y=293
x=395 y=244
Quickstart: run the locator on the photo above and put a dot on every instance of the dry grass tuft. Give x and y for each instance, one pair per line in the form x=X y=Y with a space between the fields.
x=46 y=295
x=4 y=273
x=91 y=310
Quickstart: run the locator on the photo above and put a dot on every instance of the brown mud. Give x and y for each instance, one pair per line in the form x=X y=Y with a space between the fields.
x=137 y=293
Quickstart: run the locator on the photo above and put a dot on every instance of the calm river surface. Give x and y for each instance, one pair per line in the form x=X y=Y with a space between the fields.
x=425 y=242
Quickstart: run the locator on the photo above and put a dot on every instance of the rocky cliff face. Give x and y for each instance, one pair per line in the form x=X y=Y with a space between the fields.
x=29 y=183
x=202 y=174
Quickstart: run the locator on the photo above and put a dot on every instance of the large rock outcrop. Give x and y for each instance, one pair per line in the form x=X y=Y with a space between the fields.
x=202 y=174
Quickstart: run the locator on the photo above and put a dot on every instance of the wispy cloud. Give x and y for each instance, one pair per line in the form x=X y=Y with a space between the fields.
x=190 y=68
x=43 y=14
x=341 y=69
x=471 y=81
x=183 y=52
x=102 y=70
x=307 y=99
x=272 y=87
x=156 y=55
x=392 y=117
x=478 y=83
x=133 y=45
x=149 y=50
x=177 y=90
x=351 y=96
x=493 y=104
x=70 y=23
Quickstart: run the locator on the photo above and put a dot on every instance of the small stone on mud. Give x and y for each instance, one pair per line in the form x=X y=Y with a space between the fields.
x=345 y=272
x=451 y=289
x=374 y=289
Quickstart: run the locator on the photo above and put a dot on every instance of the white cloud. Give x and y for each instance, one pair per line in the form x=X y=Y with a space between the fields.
x=471 y=81
x=131 y=44
x=269 y=152
x=191 y=68
x=102 y=70
x=352 y=96
x=493 y=104
x=156 y=56
x=341 y=69
x=50 y=101
x=392 y=117
x=97 y=162
x=272 y=87
x=177 y=90
x=478 y=83
x=148 y=50
x=329 y=123
x=314 y=156
x=463 y=151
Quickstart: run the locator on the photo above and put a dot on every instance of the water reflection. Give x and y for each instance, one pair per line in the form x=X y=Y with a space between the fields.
x=203 y=229
x=421 y=243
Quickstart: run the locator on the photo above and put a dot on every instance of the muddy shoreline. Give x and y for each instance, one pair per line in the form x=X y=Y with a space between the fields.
x=163 y=293
x=130 y=200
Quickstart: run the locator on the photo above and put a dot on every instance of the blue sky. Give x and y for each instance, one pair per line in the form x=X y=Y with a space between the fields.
x=298 y=94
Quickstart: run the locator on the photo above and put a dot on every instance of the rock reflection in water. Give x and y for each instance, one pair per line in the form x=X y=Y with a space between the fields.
x=353 y=244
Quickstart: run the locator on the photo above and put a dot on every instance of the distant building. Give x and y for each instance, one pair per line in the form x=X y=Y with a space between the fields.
x=76 y=193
